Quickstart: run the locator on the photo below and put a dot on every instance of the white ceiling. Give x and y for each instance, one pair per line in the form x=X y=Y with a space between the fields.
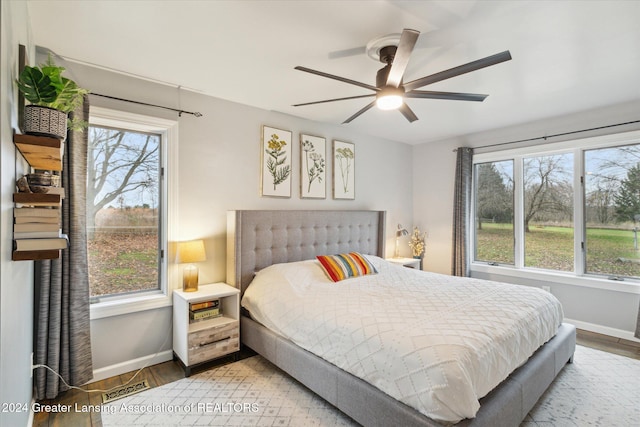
x=568 y=56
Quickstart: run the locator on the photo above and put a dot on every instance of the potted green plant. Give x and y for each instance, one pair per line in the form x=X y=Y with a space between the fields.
x=51 y=98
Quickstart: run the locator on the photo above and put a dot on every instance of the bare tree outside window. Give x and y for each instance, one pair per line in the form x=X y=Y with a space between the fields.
x=548 y=212
x=123 y=195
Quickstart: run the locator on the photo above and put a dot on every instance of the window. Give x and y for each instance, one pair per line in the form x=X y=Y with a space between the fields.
x=126 y=205
x=612 y=210
x=547 y=187
x=494 y=238
x=571 y=208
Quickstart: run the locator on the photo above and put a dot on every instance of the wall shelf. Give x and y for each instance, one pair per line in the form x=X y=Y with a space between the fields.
x=41 y=152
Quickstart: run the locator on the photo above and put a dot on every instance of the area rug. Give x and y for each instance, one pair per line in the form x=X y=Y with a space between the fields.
x=598 y=389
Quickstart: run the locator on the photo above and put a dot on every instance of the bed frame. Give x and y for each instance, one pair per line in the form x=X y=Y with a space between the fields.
x=257 y=239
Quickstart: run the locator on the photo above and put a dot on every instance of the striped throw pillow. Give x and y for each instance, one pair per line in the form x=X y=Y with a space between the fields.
x=342 y=266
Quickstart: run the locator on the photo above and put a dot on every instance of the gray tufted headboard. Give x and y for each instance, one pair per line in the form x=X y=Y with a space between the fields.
x=258 y=239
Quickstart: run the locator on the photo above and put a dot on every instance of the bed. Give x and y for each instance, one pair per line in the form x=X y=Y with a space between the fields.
x=259 y=239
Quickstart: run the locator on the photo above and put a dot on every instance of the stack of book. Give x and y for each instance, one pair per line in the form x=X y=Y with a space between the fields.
x=204 y=310
x=38 y=229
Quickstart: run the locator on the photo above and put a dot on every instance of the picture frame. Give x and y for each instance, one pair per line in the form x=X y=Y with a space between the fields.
x=344 y=162
x=275 y=176
x=313 y=165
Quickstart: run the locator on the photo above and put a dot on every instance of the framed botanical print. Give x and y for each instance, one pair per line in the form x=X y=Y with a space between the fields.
x=275 y=177
x=344 y=159
x=313 y=155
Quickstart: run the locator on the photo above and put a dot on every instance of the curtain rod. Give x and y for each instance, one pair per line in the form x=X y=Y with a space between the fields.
x=196 y=114
x=555 y=135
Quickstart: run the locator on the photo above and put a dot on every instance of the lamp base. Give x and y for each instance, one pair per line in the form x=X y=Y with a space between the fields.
x=190 y=278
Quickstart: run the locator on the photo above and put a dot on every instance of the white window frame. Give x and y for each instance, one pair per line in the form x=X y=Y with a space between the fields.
x=168 y=129
x=517 y=271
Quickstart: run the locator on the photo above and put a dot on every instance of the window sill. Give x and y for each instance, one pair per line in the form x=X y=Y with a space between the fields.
x=127 y=305
x=630 y=286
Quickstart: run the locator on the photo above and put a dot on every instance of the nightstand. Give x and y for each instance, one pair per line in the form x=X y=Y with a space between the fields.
x=206 y=324
x=407 y=262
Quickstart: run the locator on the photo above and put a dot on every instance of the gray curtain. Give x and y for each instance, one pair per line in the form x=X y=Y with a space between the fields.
x=62 y=339
x=461 y=212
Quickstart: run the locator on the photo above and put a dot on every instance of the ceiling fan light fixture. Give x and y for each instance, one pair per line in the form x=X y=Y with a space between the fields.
x=390 y=89
x=390 y=98
x=389 y=102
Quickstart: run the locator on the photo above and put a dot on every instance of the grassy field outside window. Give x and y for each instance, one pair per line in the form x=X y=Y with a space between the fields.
x=611 y=251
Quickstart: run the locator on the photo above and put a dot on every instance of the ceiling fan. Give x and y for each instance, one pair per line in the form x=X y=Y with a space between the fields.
x=390 y=91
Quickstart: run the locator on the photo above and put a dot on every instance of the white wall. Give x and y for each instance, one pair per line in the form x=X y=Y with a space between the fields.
x=433 y=178
x=218 y=170
x=604 y=311
x=16 y=278
x=220 y=165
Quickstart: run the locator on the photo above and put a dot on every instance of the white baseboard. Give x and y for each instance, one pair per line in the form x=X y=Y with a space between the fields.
x=605 y=330
x=131 y=365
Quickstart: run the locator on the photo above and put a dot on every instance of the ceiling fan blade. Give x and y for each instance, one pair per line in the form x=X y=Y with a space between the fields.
x=341 y=79
x=401 y=58
x=345 y=53
x=455 y=96
x=456 y=71
x=363 y=110
x=335 y=99
x=408 y=113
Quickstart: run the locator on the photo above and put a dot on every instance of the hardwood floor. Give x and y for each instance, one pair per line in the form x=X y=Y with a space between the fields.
x=608 y=343
x=155 y=375
x=167 y=372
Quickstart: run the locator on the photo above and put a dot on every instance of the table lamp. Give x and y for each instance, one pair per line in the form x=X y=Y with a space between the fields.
x=188 y=253
x=399 y=233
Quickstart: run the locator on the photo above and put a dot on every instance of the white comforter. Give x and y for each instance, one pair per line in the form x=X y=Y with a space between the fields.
x=437 y=343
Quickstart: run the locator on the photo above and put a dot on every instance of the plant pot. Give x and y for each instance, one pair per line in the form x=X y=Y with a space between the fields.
x=45 y=121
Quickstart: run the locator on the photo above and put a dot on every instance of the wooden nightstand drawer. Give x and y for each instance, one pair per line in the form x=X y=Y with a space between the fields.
x=213 y=342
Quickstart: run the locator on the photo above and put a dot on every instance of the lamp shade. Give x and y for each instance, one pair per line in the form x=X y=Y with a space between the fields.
x=401 y=231
x=191 y=251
